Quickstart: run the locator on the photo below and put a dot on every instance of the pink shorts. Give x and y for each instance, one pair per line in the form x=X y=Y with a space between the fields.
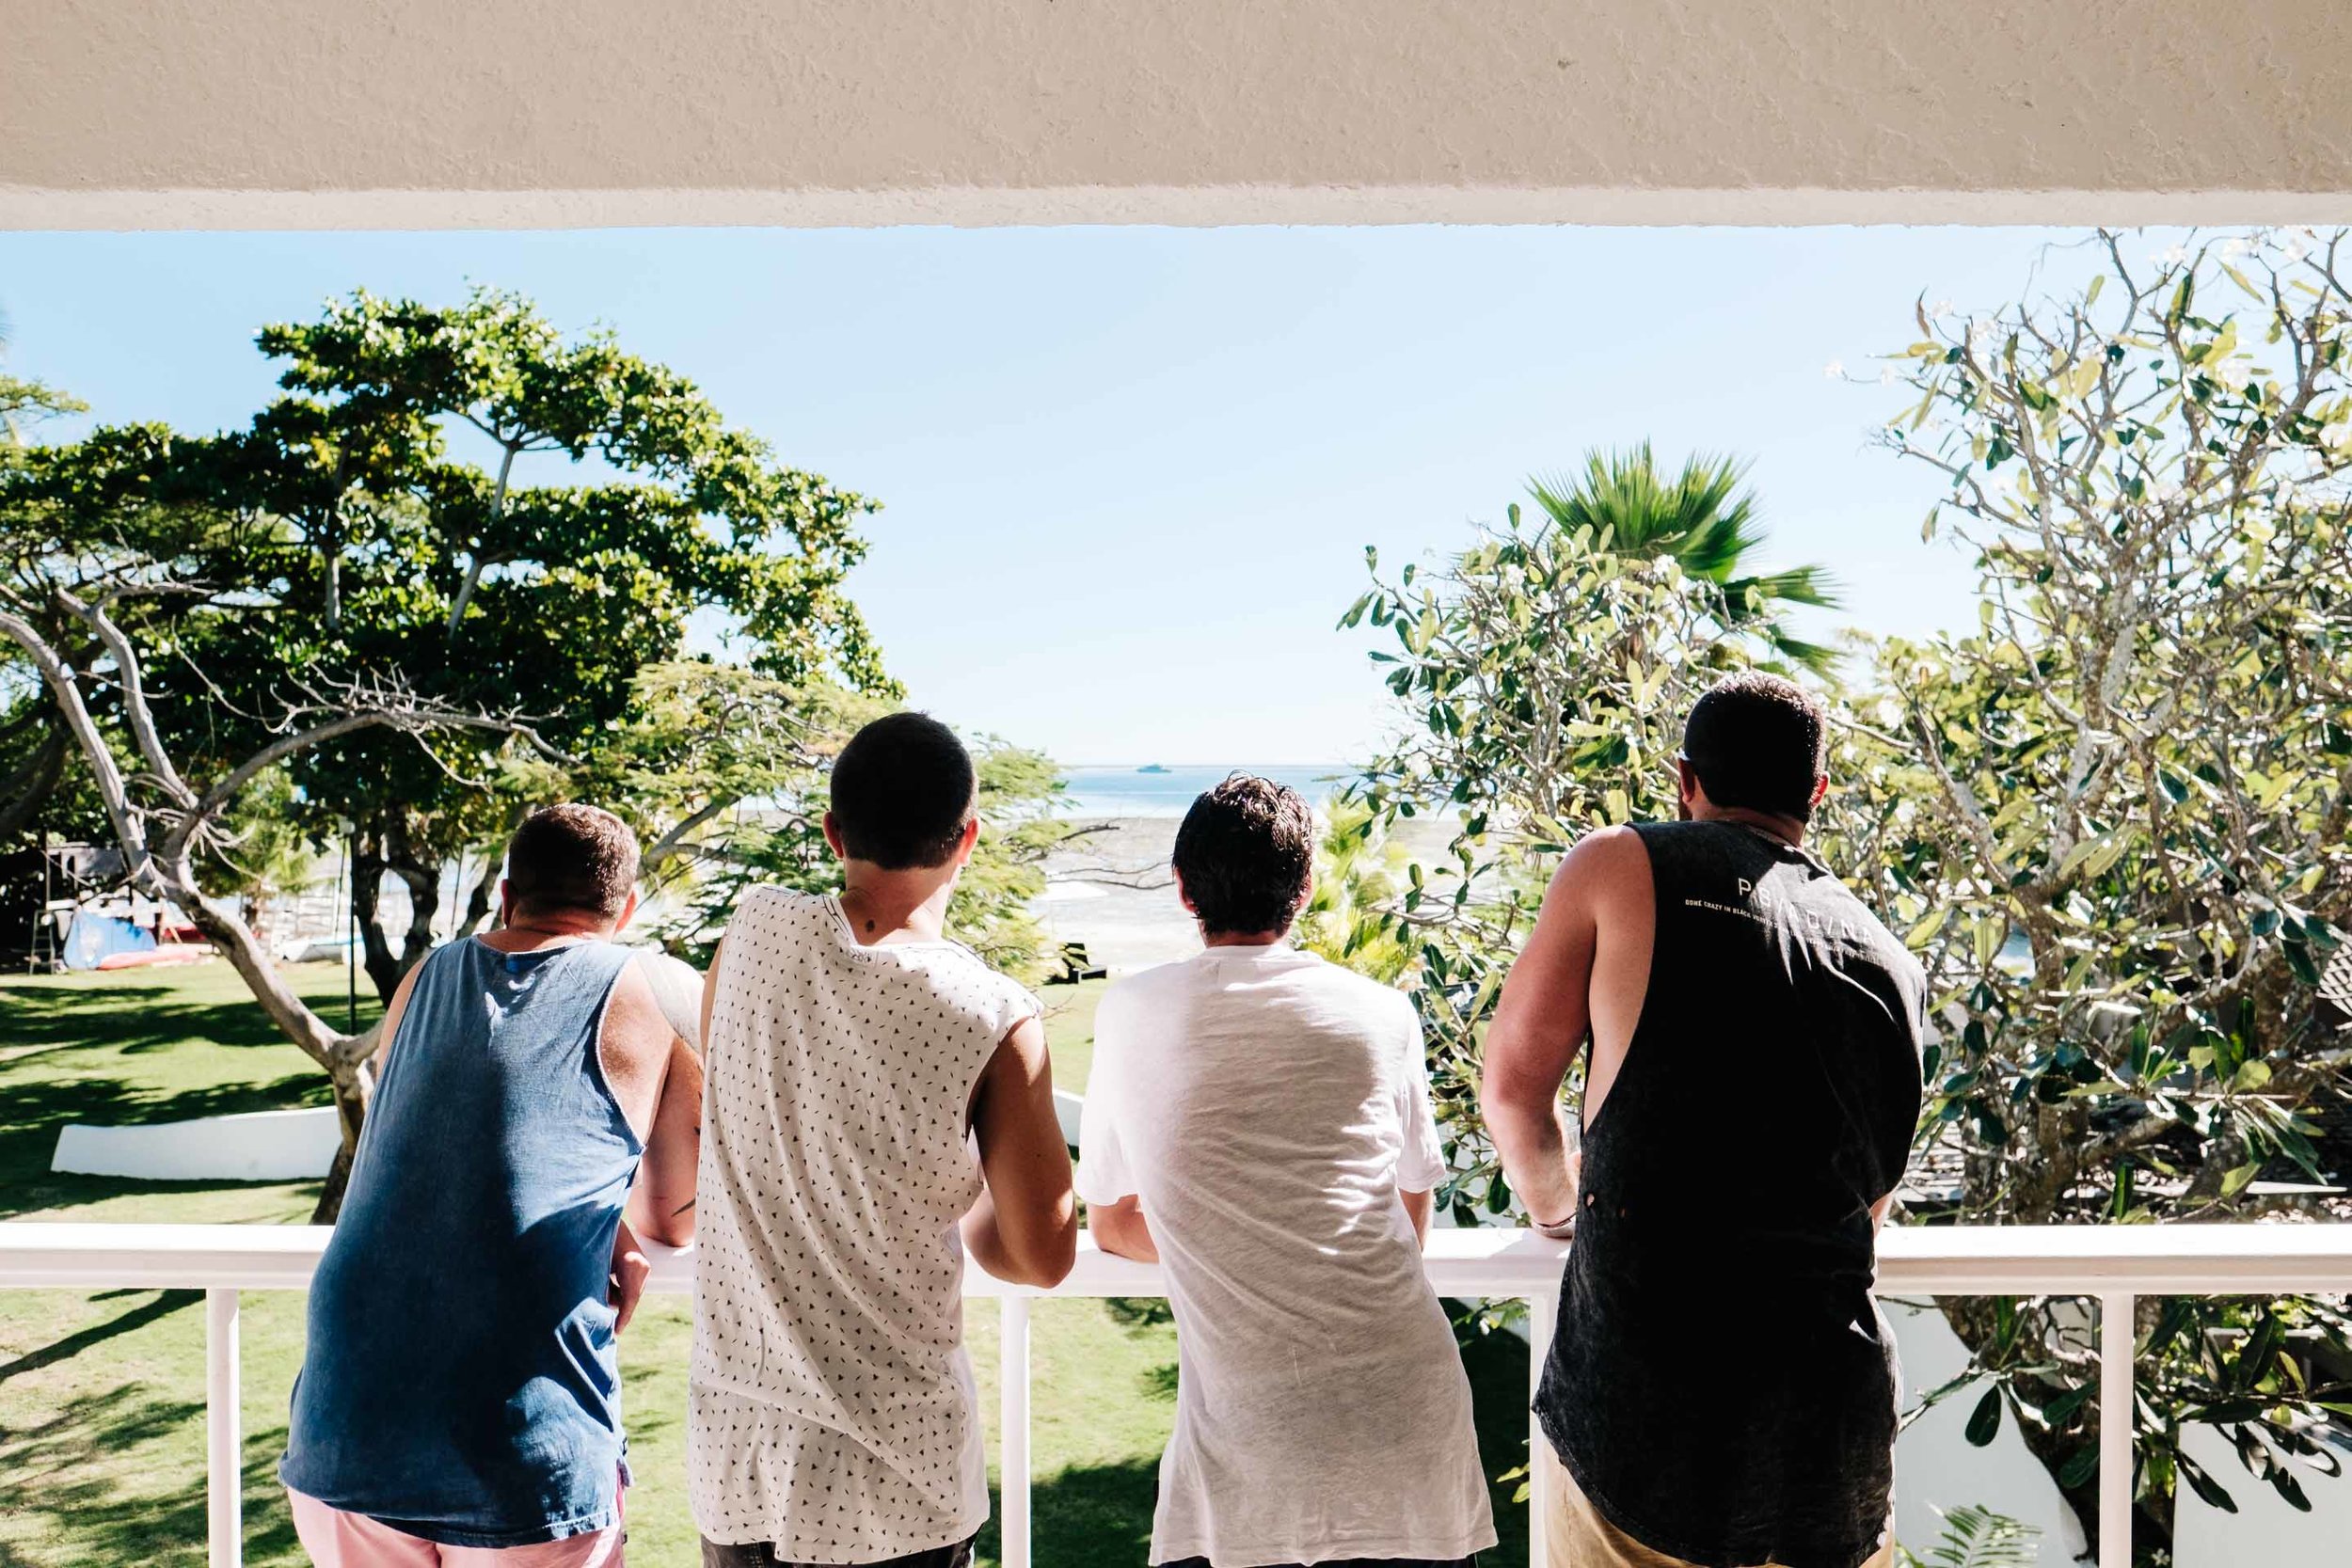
x=337 y=1540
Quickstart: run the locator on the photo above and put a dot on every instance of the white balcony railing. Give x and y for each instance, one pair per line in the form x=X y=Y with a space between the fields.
x=2114 y=1264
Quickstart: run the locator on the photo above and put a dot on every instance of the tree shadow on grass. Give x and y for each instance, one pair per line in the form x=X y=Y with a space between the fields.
x=37 y=1111
x=165 y=1303
x=132 y=1019
x=1139 y=1311
x=1098 y=1514
x=66 y=1473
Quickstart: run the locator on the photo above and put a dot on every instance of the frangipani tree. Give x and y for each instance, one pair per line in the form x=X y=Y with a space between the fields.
x=2113 y=820
x=2110 y=821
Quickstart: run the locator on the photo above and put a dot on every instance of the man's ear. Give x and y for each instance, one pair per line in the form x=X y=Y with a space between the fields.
x=971 y=842
x=1820 y=787
x=1182 y=896
x=506 y=903
x=832 y=837
x=627 y=910
x=1687 y=782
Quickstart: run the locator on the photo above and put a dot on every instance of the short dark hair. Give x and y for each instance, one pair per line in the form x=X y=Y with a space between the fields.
x=571 y=859
x=903 y=791
x=1244 y=851
x=1758 y=743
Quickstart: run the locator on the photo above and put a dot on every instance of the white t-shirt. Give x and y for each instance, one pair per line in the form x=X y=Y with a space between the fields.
x=831 y=1409
x=1267 y=1107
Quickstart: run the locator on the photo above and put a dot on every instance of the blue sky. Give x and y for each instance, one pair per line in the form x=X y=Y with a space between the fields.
x=1129 y=472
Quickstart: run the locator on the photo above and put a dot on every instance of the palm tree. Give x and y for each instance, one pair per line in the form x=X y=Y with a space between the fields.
x=1705 y=522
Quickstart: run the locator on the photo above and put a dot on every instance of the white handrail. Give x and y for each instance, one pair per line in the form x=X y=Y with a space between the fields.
x=2115 y=1263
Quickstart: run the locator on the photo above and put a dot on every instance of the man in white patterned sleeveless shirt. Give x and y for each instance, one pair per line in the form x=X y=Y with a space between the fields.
x=878 y=1102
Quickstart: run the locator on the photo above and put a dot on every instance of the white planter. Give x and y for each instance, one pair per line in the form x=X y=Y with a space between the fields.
x=260 y=1146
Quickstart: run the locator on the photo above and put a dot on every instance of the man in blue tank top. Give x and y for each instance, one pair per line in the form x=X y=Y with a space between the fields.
x=1721 y=1389
x=459 y=1400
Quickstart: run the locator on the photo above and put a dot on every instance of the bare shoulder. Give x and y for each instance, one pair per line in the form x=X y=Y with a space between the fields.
x=1605 y=864
x=635 y=1023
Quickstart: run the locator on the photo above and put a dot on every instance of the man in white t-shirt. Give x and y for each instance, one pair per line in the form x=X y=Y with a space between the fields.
x=1258 y=1121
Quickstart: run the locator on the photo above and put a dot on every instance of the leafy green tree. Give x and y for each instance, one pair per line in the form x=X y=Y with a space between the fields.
x=333 y=594
x=1701 y=517
x=2113 y=820
x=488 y=583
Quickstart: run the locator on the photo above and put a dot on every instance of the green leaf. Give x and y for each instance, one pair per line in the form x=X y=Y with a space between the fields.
x=1984 y=1422
x=2079 y=1467
x=2205 y=1486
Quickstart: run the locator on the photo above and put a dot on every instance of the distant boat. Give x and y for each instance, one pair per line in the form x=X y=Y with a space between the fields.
x=1152 y=768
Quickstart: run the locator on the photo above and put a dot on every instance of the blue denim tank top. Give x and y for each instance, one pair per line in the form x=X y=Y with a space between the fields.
x=460 y=1383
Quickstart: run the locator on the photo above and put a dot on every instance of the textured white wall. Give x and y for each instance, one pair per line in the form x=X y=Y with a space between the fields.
x=405 y=112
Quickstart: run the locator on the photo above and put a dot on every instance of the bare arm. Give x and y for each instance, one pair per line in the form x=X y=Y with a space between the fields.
x=394 y=1011
x=1120 y=1229
x=1024 y=1228
x=1540 y=1023
x=1417 y=1208
x=657 y=1079
x=661 y=1205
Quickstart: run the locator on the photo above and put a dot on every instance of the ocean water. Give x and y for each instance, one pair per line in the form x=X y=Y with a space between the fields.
x=1124 y=791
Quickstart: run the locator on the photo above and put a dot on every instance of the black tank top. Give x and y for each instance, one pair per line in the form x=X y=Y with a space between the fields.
x=1722 y=1385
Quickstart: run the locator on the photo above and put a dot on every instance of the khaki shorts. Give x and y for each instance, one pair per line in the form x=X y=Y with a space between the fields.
x=1580 y=1538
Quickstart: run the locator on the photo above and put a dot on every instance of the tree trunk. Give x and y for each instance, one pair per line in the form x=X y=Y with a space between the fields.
x=367 y=912
x=387 y=845
x=355 y=1091
x=423 y=883
x=478 y=901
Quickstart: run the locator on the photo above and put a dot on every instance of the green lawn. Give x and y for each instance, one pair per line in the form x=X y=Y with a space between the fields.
x=101 y=1396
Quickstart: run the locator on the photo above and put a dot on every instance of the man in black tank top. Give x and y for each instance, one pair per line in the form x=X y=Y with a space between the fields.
x=1722 y=1389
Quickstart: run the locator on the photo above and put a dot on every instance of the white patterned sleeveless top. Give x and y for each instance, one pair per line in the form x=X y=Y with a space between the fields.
x=831 y=1410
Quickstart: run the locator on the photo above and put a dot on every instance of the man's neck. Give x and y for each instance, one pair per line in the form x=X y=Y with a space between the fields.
x=536 y=932
x=1785 y=828
x=882 y=906
x=1242 y=938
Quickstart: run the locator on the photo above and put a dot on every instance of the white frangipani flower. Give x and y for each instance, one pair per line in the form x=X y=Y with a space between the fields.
x=1835 y=368
x=1941 y=309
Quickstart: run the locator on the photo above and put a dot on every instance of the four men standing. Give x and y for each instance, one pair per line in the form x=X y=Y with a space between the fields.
x=879 y=1104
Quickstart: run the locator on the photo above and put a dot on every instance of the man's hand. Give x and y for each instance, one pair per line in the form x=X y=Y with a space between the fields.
x=631 y=1269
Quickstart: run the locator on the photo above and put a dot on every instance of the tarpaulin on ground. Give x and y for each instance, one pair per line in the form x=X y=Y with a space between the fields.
x=96 y=937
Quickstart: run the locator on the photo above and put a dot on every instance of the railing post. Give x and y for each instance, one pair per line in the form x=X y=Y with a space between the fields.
x=224 y=1446
x=1012 y=1379
x=1543 y=1314
x=2116 y=1336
